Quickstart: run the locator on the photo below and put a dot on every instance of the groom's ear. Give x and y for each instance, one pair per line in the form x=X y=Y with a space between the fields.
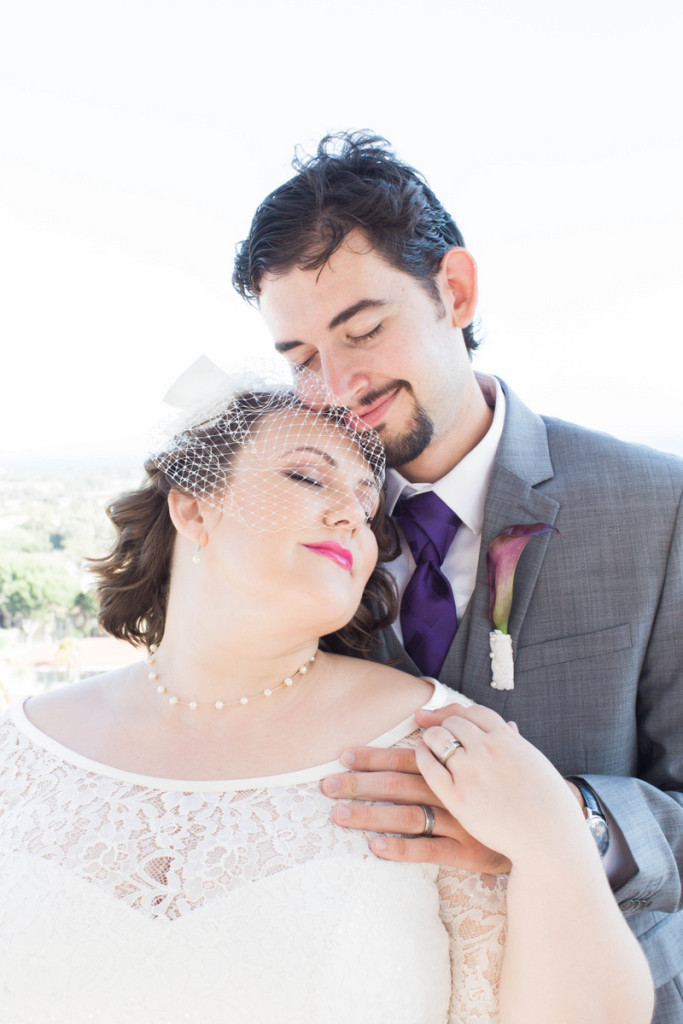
x=457 y=281
x=188 y=515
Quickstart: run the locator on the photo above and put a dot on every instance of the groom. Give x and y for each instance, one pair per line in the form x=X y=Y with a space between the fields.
x=363 y=277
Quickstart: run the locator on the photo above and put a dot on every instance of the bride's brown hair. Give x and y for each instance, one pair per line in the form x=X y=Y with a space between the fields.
x=133 y=579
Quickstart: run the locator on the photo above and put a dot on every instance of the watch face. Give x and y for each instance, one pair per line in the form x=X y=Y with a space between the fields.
x=600 y=832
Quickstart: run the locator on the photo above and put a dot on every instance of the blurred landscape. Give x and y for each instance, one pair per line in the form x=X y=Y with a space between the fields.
x=52 y=517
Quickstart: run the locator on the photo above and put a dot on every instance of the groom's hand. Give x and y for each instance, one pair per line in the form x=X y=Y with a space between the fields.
x=391 y=777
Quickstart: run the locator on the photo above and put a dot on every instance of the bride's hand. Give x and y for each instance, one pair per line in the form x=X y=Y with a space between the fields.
x=498 y=785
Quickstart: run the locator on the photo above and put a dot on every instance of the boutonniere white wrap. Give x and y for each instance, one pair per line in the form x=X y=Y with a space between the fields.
x=503 y=555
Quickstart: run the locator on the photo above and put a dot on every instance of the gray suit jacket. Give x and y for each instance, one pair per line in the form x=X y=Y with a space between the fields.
x=598 y=639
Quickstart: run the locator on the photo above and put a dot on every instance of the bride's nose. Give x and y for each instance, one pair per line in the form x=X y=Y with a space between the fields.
x=346 y=511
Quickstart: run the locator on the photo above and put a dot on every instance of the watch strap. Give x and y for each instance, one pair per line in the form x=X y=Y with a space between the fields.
x=594 y=814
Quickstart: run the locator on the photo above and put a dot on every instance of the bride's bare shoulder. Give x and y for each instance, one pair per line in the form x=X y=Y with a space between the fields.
x=62 y=711
x=386 y=685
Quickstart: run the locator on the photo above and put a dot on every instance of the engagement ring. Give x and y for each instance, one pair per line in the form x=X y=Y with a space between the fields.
x=449 y=750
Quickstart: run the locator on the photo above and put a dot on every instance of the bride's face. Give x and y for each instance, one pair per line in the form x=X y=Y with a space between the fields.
x=296 y=517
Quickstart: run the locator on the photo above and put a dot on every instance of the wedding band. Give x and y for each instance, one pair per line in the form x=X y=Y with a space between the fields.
x=430 y=821
x=449 y=750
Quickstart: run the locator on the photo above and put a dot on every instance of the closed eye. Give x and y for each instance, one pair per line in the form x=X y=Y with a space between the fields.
x=361 y=338
x=301 y=478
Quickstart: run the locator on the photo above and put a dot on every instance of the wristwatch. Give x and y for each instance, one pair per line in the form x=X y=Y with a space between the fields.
x=595 y=819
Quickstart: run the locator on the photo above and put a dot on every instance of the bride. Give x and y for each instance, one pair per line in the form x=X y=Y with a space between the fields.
x=166 y=851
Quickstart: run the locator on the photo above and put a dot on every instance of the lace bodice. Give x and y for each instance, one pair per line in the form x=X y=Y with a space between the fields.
x=132 y=899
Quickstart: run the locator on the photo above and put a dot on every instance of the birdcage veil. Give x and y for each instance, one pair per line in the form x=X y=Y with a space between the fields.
x=253 y=450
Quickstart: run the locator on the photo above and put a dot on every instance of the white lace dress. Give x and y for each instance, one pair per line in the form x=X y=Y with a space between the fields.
x=125 y=898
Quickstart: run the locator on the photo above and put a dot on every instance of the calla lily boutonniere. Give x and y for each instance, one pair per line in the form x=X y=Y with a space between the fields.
x=502 y=558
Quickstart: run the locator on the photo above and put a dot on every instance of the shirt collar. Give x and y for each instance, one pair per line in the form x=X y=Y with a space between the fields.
x=465 y=487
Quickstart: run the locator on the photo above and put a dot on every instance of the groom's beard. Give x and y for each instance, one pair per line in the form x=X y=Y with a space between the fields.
x=401 y=449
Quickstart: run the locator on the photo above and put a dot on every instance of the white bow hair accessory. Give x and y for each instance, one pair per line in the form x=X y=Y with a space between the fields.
x=204 y=381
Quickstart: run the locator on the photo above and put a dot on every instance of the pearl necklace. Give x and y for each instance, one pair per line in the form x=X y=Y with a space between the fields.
x=218 y=705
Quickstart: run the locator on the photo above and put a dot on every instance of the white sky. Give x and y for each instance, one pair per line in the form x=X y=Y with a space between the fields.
x=137 y=137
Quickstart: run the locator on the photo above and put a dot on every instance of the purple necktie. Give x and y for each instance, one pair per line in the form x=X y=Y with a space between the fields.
x=428 y=616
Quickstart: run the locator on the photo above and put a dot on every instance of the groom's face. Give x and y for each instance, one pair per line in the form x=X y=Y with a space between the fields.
x=386 y=347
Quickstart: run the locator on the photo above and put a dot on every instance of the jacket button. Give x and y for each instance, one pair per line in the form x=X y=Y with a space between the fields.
x=630 y=906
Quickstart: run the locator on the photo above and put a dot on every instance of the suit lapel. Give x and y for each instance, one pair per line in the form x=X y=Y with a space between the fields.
x=390 y=651
x=522 y=462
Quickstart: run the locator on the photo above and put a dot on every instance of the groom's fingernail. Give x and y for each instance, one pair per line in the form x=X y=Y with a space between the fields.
x=330 y=786
x=379 y=845
x=348 y=758
x=342 y=812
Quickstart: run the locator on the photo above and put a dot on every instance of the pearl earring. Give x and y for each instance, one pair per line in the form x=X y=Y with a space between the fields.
x=197 y=556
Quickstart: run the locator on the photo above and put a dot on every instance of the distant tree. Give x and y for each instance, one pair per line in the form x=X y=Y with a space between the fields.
x=33 y=585
x=21 y=538
x=83 y=615
x=52 y=515
x=86 y=602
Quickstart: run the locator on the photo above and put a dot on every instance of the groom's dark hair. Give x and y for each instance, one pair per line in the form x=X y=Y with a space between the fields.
x=354 y=182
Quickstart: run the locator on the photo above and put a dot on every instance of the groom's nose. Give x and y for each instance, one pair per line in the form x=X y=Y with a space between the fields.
x=345 y=379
